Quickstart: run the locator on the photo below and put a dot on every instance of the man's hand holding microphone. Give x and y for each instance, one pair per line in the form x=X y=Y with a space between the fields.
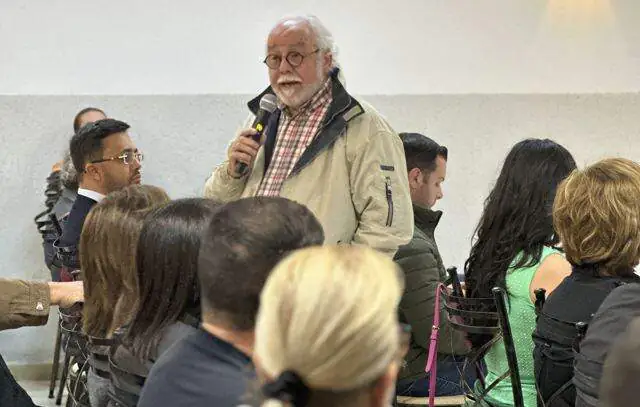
x=244 y=149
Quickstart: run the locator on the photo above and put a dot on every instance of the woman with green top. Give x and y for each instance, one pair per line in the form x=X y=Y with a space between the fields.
x=515 y=250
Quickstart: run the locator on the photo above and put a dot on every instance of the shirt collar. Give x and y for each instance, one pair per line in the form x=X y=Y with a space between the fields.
x=96 y=196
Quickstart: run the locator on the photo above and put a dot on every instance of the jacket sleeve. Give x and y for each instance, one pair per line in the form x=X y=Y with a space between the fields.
x=220 y=185
x=223 y=187
x=380 y=190
x=417 y=306
x=23 y=303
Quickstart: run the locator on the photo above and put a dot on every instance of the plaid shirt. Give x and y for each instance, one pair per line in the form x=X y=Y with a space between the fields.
x=294 y=135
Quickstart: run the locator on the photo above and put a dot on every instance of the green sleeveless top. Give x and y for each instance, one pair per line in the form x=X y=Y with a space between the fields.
x=523 y=322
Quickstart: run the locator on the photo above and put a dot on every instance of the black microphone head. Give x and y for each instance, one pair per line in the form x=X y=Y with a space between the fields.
x=269 y=103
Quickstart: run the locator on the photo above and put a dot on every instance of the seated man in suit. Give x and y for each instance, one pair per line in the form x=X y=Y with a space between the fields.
x=106 y=160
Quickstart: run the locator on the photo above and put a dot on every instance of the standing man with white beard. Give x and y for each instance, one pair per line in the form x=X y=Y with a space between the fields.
x=321 y=147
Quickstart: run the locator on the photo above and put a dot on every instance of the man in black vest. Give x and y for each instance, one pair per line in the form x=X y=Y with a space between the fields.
x=106 y=160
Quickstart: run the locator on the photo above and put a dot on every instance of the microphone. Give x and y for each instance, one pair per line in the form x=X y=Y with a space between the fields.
x=267 y=106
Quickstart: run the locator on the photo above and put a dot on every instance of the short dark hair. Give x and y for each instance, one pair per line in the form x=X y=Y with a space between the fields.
x=421 y=151
x=76 y=120
x=167 y=267
x=244 y=241
x=86 y=145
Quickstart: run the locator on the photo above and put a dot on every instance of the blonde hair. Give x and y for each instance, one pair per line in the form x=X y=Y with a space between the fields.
x=596 y=213
x=330 y=315
x=107 y=256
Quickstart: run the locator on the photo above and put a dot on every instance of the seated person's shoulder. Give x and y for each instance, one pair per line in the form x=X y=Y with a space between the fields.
x=204 y=378
x=418 y=245
x=625 y=299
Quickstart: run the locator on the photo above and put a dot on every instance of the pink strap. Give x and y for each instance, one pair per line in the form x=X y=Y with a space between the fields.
x=432 y=360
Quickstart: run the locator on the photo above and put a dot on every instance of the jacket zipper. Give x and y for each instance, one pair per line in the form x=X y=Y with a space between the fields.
x=389 y=193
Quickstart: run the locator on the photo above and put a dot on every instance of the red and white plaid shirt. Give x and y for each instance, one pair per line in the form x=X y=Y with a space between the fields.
x=294 y=135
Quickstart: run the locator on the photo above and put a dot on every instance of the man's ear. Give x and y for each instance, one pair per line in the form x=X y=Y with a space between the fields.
x=327 y=62
x=92 y=171
x=414 y=177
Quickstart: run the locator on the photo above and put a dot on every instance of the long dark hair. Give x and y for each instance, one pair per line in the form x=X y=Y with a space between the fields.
x=167 y=264
x=516 y=223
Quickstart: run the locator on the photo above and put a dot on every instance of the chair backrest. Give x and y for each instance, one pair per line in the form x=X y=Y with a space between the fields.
x=126 y=386
x=74 y=341
x=556 y=344
x=76 y=347
x=99 y=356
x=454 y=281
x=462 y=315
x=540 y=294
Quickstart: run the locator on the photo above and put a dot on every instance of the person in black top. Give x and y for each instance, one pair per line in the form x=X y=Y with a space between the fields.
x=166 y=263
x=595 y=214
x=106 y=160
x=243 y=242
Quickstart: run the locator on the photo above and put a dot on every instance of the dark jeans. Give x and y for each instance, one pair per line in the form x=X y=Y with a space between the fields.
x=11 y=394
x=448 y=379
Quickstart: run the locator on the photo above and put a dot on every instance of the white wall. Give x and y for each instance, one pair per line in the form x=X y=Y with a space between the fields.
x=395 y=47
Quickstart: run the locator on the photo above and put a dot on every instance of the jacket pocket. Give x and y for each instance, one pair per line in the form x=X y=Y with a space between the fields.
x=388 y=193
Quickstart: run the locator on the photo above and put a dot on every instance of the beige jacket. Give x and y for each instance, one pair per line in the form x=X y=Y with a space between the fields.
x=352 y=176
x=23 y=303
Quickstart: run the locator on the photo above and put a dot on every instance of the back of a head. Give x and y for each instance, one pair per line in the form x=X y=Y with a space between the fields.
x=107 y=253
x=597 y=216
x=516 y=220
x=244 y=241
x=167 y=265
x=621 y=371
x=329 y=315
x=86 y=145
x=81 y=118
x=421 y=152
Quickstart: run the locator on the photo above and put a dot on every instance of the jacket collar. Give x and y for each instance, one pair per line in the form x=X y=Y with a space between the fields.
x=342 y=110
x=425 y=218
x=342 y=101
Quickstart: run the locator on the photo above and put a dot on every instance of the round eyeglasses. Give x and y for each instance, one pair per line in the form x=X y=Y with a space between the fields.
x=293 y=58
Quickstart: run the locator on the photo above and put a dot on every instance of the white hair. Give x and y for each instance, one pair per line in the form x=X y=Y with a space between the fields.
x=323 y=37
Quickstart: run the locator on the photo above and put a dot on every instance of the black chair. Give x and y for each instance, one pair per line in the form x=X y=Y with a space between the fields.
x=448 y=401
x=76 y=359
x=126 y=386
x=99 y=356
x=463 y=315
x=55 y=368
x=560 y=345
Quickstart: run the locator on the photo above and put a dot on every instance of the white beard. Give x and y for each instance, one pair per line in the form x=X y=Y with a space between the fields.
x=294 y=96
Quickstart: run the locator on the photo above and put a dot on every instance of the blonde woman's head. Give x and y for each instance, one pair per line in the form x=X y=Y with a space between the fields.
x=596 y=213
x=328 y=318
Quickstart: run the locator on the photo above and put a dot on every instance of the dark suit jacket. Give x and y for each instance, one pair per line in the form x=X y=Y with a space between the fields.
x=67 y=245
x=73 y=226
